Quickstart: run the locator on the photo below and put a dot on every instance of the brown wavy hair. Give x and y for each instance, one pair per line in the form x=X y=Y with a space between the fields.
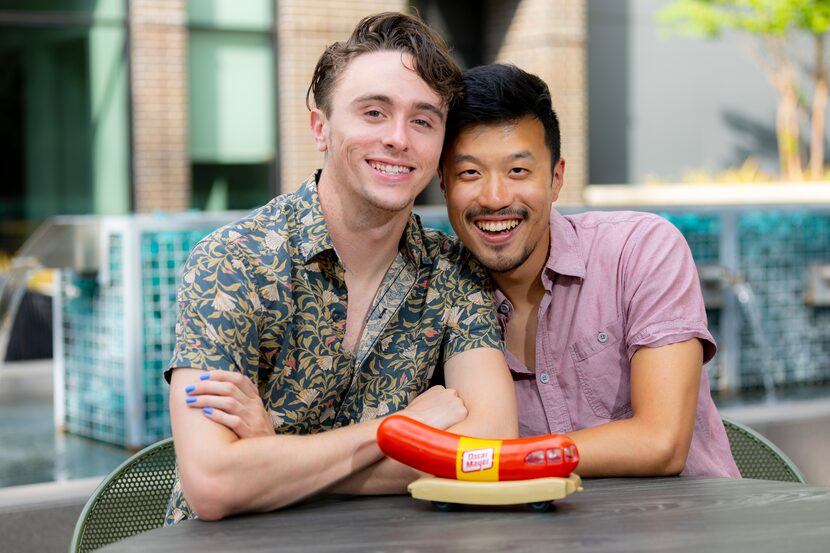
x=389 y=31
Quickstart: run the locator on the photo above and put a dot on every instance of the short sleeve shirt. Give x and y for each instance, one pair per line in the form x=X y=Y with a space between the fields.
x=614 y=282
x=266 y=296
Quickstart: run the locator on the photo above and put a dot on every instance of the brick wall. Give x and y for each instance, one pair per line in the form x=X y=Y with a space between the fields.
x=548 y=38
x=161 y=158
x=304 y=29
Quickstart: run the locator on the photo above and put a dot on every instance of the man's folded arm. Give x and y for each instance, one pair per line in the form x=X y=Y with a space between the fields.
x=223 y=475
x=482 y=380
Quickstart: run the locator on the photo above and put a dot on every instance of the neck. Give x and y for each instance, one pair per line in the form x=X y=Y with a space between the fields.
x=523 y=285
x=366 y=239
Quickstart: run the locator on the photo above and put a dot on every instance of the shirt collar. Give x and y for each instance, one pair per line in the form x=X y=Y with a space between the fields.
x=565 y=257
x=314 y=233
x=412 y=241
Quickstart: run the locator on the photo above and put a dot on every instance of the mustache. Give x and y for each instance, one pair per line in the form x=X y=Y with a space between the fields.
x=519 y=213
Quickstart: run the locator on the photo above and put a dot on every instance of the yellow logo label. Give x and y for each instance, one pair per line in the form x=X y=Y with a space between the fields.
x=477 y=460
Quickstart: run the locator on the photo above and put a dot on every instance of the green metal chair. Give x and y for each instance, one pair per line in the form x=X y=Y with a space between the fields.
x=757 y=457
x=131 y=500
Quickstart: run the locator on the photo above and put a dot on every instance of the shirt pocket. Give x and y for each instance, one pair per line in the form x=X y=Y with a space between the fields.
x=601 y=365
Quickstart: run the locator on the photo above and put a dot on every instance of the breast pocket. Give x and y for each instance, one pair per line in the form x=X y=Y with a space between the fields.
x=601 y=364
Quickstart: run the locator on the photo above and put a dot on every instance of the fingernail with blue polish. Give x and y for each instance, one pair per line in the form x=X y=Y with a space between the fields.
x=190 y=388
x=191 y=400
x=204 y=376
x=207 y=410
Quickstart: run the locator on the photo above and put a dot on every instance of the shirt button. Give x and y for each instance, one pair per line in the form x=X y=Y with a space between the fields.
x=544 y=378
x=336 y=316
x=602 y=337
x=504 y=308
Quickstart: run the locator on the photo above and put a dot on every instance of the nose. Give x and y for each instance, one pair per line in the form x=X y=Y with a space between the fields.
x=396 y=137
x=494 y=193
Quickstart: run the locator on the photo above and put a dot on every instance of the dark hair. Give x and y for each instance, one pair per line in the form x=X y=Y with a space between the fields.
x=501 y=93
x=387 y=31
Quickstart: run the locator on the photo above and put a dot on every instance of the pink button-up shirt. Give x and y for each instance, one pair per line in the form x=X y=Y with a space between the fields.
x=614 y=281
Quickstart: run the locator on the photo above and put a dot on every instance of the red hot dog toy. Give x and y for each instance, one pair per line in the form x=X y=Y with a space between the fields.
x=456 y=457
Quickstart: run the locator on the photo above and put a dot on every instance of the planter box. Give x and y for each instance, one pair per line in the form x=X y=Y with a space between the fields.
x=115 y=328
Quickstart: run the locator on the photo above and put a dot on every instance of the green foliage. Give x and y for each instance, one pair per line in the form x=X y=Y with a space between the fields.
x=750 y=172
x=709 y=18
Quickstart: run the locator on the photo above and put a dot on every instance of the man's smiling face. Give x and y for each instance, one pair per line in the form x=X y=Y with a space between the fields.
x=499 y=187
x=384 y=132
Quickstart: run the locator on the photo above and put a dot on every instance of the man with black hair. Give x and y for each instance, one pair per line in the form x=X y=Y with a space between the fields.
x=601 y=312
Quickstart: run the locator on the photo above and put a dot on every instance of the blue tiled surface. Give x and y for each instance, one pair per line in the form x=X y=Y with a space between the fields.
x=775 y=246
x=93 y=337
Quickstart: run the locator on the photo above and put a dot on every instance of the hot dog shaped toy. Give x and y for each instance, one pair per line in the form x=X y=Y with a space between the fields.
x=456 y=457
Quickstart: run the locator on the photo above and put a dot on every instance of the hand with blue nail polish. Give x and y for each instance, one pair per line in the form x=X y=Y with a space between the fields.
x=232 y=400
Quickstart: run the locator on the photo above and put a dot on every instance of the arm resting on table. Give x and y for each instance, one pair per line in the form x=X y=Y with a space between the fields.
x=482 y=380
x=655 y=440
x=223 y=475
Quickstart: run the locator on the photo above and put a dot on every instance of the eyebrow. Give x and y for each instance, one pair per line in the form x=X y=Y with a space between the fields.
x=384 y=99
x=461 y=158
x=524 y=154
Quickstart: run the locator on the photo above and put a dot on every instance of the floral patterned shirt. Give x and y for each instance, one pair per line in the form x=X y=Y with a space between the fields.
x=266 y=296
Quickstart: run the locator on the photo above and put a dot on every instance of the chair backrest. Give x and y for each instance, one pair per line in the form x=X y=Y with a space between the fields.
x=132 y=499
x=757 y=457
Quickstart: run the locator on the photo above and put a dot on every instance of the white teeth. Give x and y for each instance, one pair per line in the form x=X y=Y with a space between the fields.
x=497 y=226
x=390 y=169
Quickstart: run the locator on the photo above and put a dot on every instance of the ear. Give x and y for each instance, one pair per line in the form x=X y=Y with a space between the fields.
x=558 y=178
x=441 y=182
x=319 y=129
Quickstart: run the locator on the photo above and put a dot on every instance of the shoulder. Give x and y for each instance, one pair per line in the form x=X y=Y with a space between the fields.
x=449 y=255
x=263 y=227
x=623 y=229
x=614 y=221
x=243 y=250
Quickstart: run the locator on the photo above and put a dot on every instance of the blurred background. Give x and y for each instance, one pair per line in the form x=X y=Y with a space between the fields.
x=129 y=129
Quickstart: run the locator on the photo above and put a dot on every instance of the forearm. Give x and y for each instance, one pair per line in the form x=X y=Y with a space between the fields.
x=629 y=447
x=496 y=424
x=655 y=440
x=223 y=475
x=388 y=476
x=384 y=477
x=263 y=474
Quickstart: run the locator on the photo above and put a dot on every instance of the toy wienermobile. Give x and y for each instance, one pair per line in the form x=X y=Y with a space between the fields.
x=465 y=470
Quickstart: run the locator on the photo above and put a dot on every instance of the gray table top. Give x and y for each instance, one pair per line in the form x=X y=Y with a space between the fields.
x=635 y=514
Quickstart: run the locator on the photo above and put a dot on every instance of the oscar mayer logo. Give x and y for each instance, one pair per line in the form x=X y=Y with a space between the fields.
x=476 y=460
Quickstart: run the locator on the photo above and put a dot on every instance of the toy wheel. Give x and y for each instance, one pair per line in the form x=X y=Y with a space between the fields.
x=444 y=506
x=540 y=506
